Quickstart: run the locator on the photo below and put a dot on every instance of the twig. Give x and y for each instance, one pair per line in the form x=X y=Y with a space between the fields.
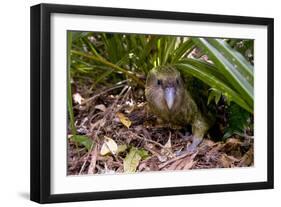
x=116 y=109
x=97 y=131
x=84 y=163
x=244 y=135
x=148 y=140
x=89 y=152
x=97 y=95
x=92 y=166
x=173 y=160
x=110 y=109
x=154 y=142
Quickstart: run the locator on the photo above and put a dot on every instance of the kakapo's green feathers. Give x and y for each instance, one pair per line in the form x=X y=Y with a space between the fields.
x=168 y=98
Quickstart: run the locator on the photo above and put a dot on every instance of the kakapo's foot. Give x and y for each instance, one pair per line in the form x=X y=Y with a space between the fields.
x=193 y=146
x=186 y=136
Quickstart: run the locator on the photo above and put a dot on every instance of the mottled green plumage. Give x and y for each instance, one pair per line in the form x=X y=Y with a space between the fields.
x=169 y=99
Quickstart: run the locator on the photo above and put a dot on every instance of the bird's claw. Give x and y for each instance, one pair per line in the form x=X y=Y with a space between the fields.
x=186 y=137
x=191 y=149
x=193 y=146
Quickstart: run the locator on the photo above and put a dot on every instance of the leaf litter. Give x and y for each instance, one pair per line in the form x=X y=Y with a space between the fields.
x=117 y=134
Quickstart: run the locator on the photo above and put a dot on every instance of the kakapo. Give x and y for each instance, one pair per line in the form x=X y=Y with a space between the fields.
x=169 y=99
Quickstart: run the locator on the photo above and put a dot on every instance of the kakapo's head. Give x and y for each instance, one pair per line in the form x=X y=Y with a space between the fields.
x=164 y=88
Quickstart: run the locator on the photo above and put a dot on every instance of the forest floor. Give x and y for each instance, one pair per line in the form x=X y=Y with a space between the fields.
x=124 y=137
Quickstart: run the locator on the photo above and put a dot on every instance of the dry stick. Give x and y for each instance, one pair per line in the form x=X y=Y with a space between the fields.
x=93 y=161
x=128 y=88
x=169 y=140
x=126 y=95
x=154 y=142
x=90 y=151
x=174 y=165
x=116 y=109
x=99 y=94
x=190 y=162
x=94 y=116
x=95 y=134
x=87 y=157
x=111 y=108
x=120 y=94
x=153 y=152
x=244 y=135
x=173 y=159
x=148 y=140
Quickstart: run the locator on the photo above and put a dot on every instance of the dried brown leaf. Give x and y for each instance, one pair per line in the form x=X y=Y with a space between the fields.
x=247 y=159
x=101 y=107
x=190 y=162
x=233 y=147
x=124 y=120
x=174 y=165
x=167 y=150
x=227 y=161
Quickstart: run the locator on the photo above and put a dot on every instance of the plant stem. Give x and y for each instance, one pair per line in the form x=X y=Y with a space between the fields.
x=69 y=93
x=109 y=64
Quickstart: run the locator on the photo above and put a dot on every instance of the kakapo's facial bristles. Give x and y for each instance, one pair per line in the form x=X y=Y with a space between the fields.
x=170 y=95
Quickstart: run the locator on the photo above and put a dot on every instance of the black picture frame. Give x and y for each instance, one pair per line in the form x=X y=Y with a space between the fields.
x=41 y=96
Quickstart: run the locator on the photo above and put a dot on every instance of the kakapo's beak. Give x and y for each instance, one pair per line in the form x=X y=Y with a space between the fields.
x=170 y=94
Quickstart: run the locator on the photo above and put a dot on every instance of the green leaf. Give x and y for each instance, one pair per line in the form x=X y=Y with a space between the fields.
x=83 y=140
x=69 y=93
x=209 y=78
x=181 y=50
x=242 y=65
x=170 y=46
x=228 y=70
x=143 y=153
x=214 y=95
x=109 y=64
x=78 y=35
x=94 y=51
x=133 y=158
x=237 y=121
x=213 y=70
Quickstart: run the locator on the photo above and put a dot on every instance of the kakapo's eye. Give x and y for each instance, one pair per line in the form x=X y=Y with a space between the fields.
x=159 y=82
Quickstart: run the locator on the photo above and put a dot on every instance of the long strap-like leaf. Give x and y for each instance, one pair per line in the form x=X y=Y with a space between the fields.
x=209 y=78
x=233 y=56
x=237 y=80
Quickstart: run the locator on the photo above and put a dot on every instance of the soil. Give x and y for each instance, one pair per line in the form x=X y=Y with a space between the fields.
x=119 y=113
